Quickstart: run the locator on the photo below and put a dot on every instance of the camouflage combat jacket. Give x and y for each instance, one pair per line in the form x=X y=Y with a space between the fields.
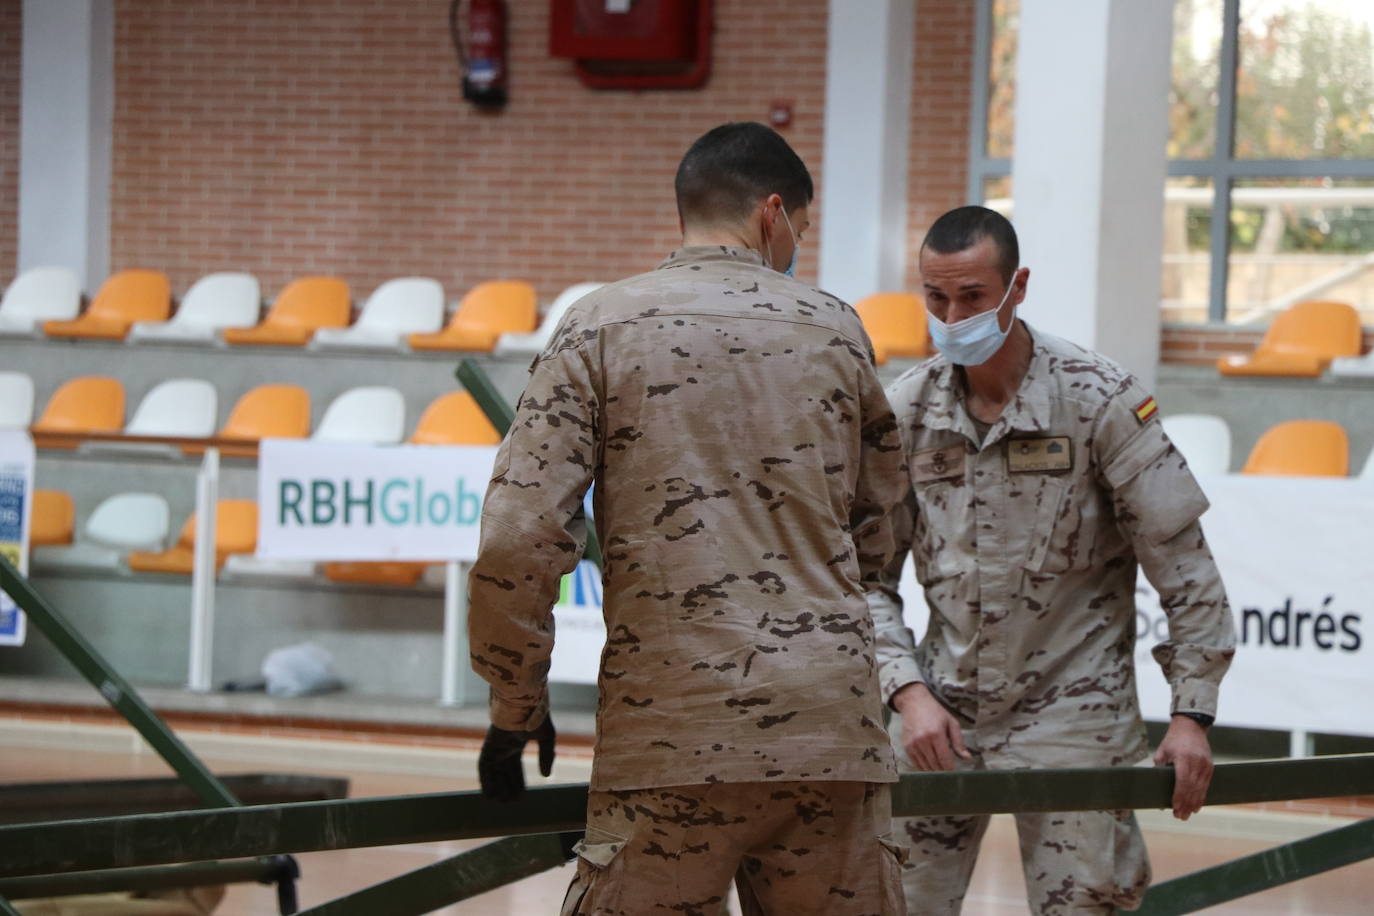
x=1027 y=547
x=741 y=446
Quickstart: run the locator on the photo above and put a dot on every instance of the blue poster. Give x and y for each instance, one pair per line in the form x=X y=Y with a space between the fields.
x=16 y=497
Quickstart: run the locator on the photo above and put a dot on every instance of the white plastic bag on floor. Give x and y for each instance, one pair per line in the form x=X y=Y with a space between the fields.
x=295 y=671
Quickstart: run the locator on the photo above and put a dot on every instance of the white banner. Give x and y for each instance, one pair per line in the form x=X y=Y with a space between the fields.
x=335 y=501
x=16 y=508
x=579 y=628
x=1295 y=556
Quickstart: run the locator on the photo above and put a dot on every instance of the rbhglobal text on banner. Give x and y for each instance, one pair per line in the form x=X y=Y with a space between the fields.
x=396 y=501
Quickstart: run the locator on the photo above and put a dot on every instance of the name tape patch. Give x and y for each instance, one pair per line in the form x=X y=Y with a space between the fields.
x=1055 y=454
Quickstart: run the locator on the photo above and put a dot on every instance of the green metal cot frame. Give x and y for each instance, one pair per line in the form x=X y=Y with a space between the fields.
x=537 y=833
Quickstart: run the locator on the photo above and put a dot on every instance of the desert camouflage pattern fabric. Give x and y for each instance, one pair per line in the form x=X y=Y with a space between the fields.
x=1027 y=546
x=746 y=463
x=1075 y=863
x=801 y=849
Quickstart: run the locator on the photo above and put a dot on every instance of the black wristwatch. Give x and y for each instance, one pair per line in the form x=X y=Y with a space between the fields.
x=1201 y=718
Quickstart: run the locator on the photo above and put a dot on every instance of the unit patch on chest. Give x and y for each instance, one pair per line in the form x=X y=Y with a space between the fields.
x=1026 y=455
x=937 y=463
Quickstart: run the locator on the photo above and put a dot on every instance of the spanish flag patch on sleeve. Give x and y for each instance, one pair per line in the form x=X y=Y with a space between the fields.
x=1146 y=409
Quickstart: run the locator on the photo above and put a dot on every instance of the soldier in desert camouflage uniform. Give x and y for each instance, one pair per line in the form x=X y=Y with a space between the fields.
x=1041 y=480
x=746 y=462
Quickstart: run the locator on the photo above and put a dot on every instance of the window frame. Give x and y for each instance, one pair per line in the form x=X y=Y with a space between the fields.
x=1222 y=168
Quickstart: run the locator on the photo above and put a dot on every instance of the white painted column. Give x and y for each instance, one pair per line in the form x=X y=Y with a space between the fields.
x=863 y=183
x=1092 y=98
x=66 y=115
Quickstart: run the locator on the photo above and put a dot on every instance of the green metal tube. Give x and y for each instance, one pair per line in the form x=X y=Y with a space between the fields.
x=1261 y=871
x=197 y=874
x=118 y=692
x=459 y=878
x=155 y=839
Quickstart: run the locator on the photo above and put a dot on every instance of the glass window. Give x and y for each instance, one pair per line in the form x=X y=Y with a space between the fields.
x=1187 y=249
x=1294 y=239
x=1002 y=77
x=1305 y=87
x=997 y=194
x=1193 y=86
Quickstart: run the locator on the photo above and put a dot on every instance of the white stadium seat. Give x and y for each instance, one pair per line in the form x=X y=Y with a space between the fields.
x=184 y=408
x=128 y=521
x=398 y=308
x=371 y=414
x=1367 y=473
x=534 y=343
x=37 y=295
x=214 y=302
x=16 y=400
x=248 y=566
x=1204 y=440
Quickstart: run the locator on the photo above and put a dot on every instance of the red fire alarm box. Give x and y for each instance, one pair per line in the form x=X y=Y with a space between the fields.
x=634 y=44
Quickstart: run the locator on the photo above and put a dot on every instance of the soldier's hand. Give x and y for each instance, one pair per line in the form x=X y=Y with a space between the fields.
x=930 y=735
x=1185 y=747
x=498 y=765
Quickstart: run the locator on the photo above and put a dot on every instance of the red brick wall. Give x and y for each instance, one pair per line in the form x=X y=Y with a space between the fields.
x=940 y=93
x=330 y=136
x=11 y=34
x=1183 y=345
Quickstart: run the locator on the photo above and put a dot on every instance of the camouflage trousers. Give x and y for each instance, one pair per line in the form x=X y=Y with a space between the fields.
x=796 y=848
x=1074 y=863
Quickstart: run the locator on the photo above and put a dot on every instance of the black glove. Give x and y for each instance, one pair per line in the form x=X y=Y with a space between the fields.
x=498 y=766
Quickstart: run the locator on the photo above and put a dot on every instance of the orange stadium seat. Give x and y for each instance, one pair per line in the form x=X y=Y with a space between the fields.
x=488 y=310
x=1301 y=342
x=1301 y=448
x=128 y=296
x=450 y=419
x=53 y=519
x=89 y=404
x=302 y=308
x=236 y=531
x=454 y=419
x=375 y=573
x=896 y=323
x=269 y=412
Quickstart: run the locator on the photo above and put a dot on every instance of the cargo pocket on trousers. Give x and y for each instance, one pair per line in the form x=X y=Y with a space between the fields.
x=596 y=854
x=894 y=860
x=1111 y=867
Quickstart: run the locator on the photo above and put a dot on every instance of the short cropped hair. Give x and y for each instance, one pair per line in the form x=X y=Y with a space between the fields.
x=731 y=168
x=962 y=228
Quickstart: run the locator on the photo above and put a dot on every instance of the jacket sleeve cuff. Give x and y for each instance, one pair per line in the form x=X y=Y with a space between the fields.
x=1194 y=695
x=896 y=674
x=518 y=717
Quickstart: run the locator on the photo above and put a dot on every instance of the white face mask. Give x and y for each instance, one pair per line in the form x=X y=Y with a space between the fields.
x=974 y=340
x=791 y=270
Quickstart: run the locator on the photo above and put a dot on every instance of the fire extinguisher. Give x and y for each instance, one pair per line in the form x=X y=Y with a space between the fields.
x=483 y=62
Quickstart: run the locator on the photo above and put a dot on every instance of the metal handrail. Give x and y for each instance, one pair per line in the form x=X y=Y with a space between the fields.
x=185 y=836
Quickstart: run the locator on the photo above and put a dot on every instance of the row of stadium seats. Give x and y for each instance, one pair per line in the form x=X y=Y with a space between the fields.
x=1303 y=341
x=131 y=530
x=1296 y=448
x=188 y=409
x=224 y=308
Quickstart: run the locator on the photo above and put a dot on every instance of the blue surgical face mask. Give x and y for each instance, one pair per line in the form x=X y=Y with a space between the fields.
x=974 y=340
x=791 y=270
